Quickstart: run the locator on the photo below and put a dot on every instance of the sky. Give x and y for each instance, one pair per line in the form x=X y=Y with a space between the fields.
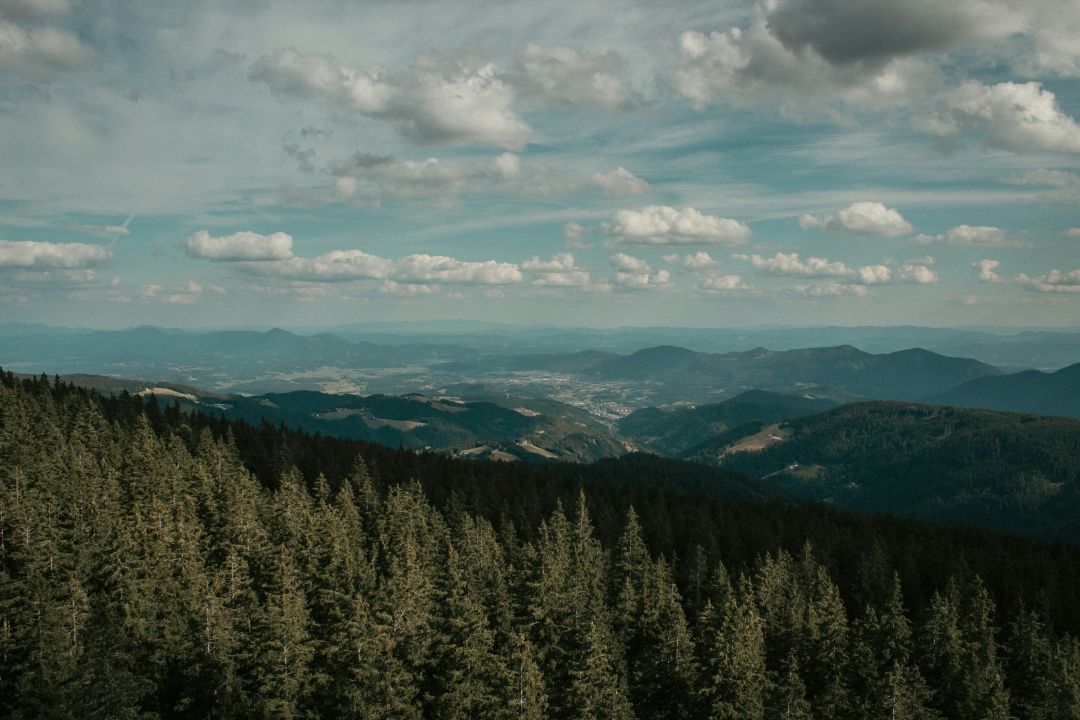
x=729 y=163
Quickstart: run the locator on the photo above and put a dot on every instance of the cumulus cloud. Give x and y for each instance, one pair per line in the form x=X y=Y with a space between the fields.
x=967 y=235
x=721 y=283
x=559 y=271
x=791 y=264
x=353 y=265
x=756 y=64
x=574 y=236
x=334 y=266
x=860 y=218
x=875 y=275
x=697 y=262
x=189 y=292
x=562 y=75
x=917 y=274
x=1019 y=117
x=868 y=31
x=987 y=270
x=365 y=178
x=441 y=269
x=831 y=289
x=663 y=225
x=1054 y=281
x=239 y=246
x=634 y=273
x=31 y=255
x=618 y=182
x=271 y=256
x=37 y=53
x=435 y=102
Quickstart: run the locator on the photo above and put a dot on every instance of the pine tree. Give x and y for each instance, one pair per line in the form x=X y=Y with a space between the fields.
x=285 y=645
x=596 y=690
x=526 y=691
x=788 y=695
x=469 y=675
x=737 y=684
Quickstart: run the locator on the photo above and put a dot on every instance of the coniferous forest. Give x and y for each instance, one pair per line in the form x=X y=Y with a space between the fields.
x=156 y=564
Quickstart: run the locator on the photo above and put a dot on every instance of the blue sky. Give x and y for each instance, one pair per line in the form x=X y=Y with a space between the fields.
x=586 y=163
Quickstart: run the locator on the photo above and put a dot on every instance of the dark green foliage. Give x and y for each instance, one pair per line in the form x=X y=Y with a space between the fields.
x=160 y=565
x=1019 y=473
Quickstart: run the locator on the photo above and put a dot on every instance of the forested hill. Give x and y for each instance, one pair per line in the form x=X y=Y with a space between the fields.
x=1007 y=471
x=1056 y=393
x=157 y=564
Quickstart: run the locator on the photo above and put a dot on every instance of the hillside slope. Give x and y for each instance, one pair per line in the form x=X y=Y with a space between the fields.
x=672 y=432
x=1056 y=393
x=1009 y=471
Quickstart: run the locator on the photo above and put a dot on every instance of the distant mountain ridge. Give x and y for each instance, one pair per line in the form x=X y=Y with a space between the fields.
x=903 y=375
x=1056 y=393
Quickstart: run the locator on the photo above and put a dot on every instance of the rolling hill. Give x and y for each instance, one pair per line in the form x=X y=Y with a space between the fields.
x=1009 y=471
x=672 y=432
x=1056 y=393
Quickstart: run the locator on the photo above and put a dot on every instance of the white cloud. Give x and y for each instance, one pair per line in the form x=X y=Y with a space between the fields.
x=619 y=182
x=967 y=235
x=697 y=262
x=389 y=287
x=365 y=178
x=439 y=101
x=628 y=263
x=721 y=283
x=113 y=231
x=507 y=166
x=334 y=266
x=441 y=269
x=1071 y=232
x=150 y=291
x=791 y=264
x=831 y=289
x=917 y=274
x=663 y=225
x=860 y=218
x=987 y=270
x=239 y=246
x=1019 y=117
x=635 y=274
x=875 y=275
x=560 y=271
x=271 y=256
x=574 y=236
x=33 y=255
x=562 y=75
x=753 y=65
x=1054 y=281
x=38 y=52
